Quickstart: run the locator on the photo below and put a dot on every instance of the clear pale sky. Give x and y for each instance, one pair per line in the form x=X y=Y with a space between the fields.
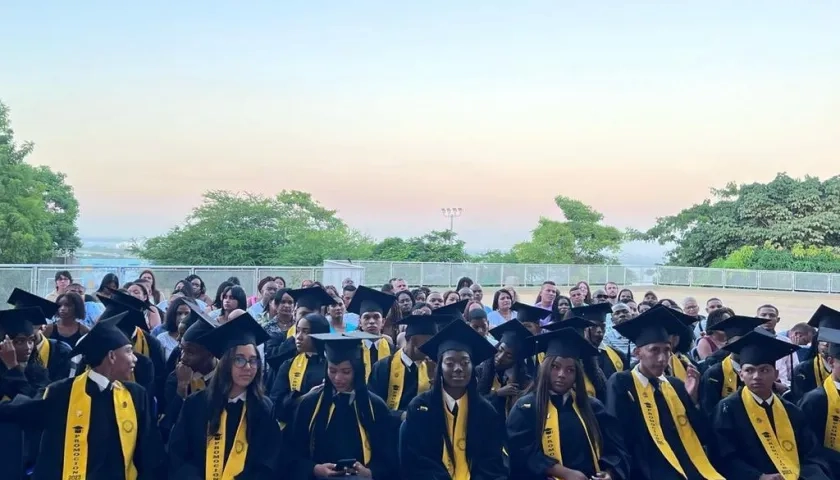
x=388 y=111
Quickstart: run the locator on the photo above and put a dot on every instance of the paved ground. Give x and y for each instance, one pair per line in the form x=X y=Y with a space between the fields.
x=794 y=307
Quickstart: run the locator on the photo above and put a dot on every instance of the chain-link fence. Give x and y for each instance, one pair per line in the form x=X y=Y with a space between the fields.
x=41 y=278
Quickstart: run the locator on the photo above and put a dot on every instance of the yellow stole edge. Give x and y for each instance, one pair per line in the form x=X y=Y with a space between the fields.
x=615 y=359
x=366 y=453
x=730 y=378
x=551 y=435
x=779 y=445
x=459 y=468
x=215 y=466
x=832 y=426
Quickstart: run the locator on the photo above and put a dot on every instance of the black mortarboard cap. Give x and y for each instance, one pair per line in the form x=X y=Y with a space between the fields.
x=654 y=326
x=596 y=313
x=578 y=323
x=760 y=348
x=514 y=335
x=529 y=313
x=134 y=317
x=369 y=300
x=312 y=298
x=129 y=300
x=419 y=325
x=242 y=330
x=101 y=339
x=21 y=298
x=832 y=336
x=453 y=309
x=201 y=327
x=825 y=317
x=737 y=325
x=21 y=321
x=566 y=343
x=459 y=336
x=338 y=348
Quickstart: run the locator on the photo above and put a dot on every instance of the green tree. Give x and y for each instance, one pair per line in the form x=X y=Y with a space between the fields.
x=784 y=213
x=245 y=229
x=38 y=210
x=580 y=238
x=435 y=246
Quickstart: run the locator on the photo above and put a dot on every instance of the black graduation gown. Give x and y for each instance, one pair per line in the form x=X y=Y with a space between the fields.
x=607 y=365
x=380 y=380
x=648 y=461
x=815 y=409
x=284 y=398
x=188 y=439
x=529 y=461
x=342 y=439
x=486 y=373
x=23 y=381
x=173 y=403
x=711 y=388
x=59 y=363
x=277 y=350
x=156 y=355
x=144 y=374
x=421 y=440
x=741 y=452
x=712 y=360
x=803 y=380
x=105 y=459
x=11 y=450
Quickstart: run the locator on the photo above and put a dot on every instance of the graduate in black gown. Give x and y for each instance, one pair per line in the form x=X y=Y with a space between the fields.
x=594 y=378
x=341 y=428
x=308 y=300
x=759 y=434
x=610 y=360
x=195 y=368
x=723 y=378
x=681 y=343
x=134 y=327
x=821 y=406
x=405 y=374
x=227 y=430
x=504 y=377
x=21 y=370
x=812 y=373
x=111 y=425
x=662 y=427
x=54 y=354
x=371 y=306
x=557 y=430
x=302 y=371
x=451 y=432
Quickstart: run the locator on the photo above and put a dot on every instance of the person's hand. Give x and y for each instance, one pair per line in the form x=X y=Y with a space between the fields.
x=183 y=373
x=362 y=470
x=692 y=382
x=509 y=390
x=8 y=354
x=326 y=470
x=771 y=476
x=780 y=388
x=316 y=387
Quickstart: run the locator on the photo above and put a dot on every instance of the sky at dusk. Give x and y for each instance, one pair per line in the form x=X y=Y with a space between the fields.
x=388 y=111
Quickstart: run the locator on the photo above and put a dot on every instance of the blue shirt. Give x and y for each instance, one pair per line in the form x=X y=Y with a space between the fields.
x=615 y=339
x=494 y=318
x=92 y=312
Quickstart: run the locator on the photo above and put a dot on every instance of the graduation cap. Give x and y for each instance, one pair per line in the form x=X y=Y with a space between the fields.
x=760 y=348
x=566 y=343
x=369 y=300
x=832 y=336
x=312 y=298
x=514 y=335
x=101 y=339
x=419 y=325
x=596 y=313
x=129 y=300
x=653 y=326
x=825 y=317
x=202 y=326
x=455 y=310
x=21 y=298
x=21 y=321
x=578 y=323
x=459 y=336
x=339 y=348
x=134 y=317
x=529 y=313
x=737 y=325
x=362 y=335
x=242 y=330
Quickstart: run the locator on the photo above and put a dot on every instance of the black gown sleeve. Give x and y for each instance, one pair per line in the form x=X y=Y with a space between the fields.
x=811 y=463
x=267 y=459
x=173 y=403
x=182 y=455
x=614 y=454
x=421 y=444
x=730 y=453
x=149 y=456
x=711 y=384
x=282 y=395
x=815 y=410
x=802 y=380
x=489 y=463
x=522 y=446
x=297 y=439
x=156 y=355
x=15 y=382
x=383 y=463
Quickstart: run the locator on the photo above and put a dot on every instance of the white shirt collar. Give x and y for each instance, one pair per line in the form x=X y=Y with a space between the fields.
x=351 y=393
x=837 y=384
x=407 y=361
x=100 y=380
x=367 y=343
x=238 y=398
x=450 y=402
x=760 y=401
x=643 y=379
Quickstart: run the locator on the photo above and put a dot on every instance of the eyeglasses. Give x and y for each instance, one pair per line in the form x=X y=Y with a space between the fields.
x=240 y=361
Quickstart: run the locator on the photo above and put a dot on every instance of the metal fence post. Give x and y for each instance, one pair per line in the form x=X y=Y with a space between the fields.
x=624 y=282
x=588 y=274
x=33 y=281
x=391 y=270
x=723 y=278
x=502 y=275
x=422 y=272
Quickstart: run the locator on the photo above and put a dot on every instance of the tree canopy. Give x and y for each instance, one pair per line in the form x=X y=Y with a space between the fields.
x=435 y=246
x=38 y=210
x=784 y=214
